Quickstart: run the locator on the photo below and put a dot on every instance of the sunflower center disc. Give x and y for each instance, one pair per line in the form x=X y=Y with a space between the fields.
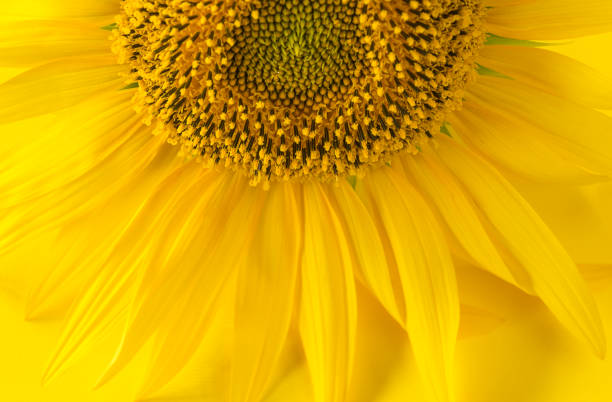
x=283 y=89
x=296 y=54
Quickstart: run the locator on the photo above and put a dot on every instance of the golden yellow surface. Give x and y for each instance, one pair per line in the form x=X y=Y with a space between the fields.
x=528 y=358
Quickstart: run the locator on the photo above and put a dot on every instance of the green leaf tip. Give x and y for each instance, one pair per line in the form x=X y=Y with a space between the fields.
x=130 y=86
x=482 y=70
x=110 y=27
x=444 y=129
x=495 y=40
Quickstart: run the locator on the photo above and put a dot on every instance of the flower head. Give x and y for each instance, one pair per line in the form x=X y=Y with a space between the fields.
x=279 y=164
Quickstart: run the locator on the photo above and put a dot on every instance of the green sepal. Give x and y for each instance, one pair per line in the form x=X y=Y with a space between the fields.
x=482 y=70
x=495 y=40
x=447 y=129
x=352 y=181
x=130 y=86
x=110 y=27
x=444 y=129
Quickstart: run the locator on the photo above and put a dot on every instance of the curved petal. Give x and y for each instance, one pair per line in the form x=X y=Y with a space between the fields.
x=580 y=217
x=56 y=155
x=554 y=275
x=550 y=19
x=369 y=250
x=521 y=147
x=532 y=359
x=138 y=159
x=115 y=277
x=25 y=346
x=328 y=314
x=578 y=133
x=179 y=274
x=60 y=8
x=551 y=72
x=427 y=276
x=266 y=294
x=57 y=85
x=458 y=211
x=25 y=43
x=587 y=50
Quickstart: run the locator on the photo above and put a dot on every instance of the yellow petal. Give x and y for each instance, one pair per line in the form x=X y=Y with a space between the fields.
x=24 y=348
x=587 y=50
x=580 y=217
x=180 y=274
x=458 y=211
x=138 y=160
x=91 y=241
x=87 y=135
x=571 y=130
x=532 y=359
x=369 y=250
x=61 y=8
x=382 y=345
x=598 y=276
x=328 y=310
x=550 y=19
x=552 y=73
x=519 y=146
x=265 y=295
x=107 y=297
x=57 y=85
x=477 y=321
x=25 y=43
x=554 y=276
x=426 y=273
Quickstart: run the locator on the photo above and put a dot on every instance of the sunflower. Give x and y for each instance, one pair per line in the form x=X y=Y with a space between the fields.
x=280 y=195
